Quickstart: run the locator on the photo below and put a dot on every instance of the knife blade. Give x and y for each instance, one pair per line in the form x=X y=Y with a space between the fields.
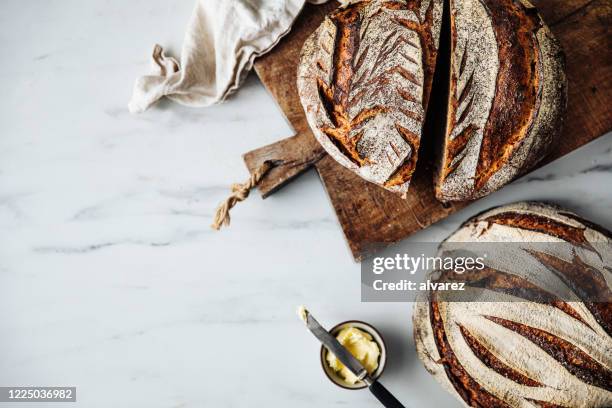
x=346 y=358
x=334 y=346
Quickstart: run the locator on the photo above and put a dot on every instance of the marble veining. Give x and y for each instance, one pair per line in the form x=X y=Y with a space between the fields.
x=111 y=279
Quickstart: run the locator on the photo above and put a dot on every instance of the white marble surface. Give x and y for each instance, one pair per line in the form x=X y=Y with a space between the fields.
x=110 y=278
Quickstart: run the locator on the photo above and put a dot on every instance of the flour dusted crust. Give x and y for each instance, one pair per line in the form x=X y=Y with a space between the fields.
x=364 y=81
x=507 y=95
x=525 y=354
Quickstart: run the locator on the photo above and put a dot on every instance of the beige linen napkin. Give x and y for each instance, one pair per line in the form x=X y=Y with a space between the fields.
x=222 y=40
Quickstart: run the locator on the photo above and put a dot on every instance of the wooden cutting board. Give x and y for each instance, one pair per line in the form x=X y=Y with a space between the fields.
x=372 y=217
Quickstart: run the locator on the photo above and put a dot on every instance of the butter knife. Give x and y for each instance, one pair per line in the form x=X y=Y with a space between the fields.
x=346 y=358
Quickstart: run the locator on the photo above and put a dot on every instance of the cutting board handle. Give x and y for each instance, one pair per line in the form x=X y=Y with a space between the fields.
x=290 y=157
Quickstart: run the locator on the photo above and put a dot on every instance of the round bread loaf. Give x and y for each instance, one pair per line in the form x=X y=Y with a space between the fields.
x=364 y=81
x=506 y=98
x=555 y=353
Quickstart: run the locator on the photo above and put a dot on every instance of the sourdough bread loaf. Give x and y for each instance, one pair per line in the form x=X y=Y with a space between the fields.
x=554 y=353
x=364 y=81
x=506 y=98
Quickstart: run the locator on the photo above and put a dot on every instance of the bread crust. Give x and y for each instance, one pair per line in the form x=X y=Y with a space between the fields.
x=523 y=101
x=553 y=353
x=364 y=81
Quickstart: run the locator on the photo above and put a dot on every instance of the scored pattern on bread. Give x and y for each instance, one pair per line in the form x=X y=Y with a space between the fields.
x=507 y=353
x=572 y=358
x=364 y=82
x=474 y=69
x=502 y=120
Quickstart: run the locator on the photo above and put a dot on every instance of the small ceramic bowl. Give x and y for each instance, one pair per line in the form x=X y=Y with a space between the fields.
x=382 y=359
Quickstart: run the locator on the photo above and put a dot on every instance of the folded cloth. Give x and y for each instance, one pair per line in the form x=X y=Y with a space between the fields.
x=222 y=40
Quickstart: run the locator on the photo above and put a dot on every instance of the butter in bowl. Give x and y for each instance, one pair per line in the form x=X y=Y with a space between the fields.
x=365 y=343
x=353 y=356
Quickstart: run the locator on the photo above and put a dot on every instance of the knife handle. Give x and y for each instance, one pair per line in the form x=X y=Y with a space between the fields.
x=384 y=396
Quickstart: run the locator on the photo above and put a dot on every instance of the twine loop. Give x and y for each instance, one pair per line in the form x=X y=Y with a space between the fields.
x=240 y=191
